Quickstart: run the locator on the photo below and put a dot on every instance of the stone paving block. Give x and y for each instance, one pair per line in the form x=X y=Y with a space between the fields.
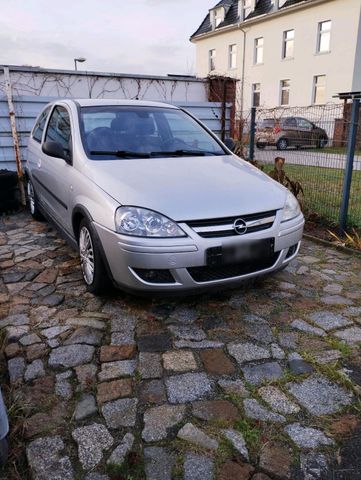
x=319 y=395
x=179 y=361
x=307 y=328
x=262 y=333
x=159 y=463
x=198 y=467
x=46 y=461
x=305 y=437
x=314 y=466
x=336 y=300
x=92 y=440
x=85 y=407
x=152 y=391
x=122 y=338
x=234 y=470
x=188 y=387
x=85 y=322
x=215 y=410
x=247 y=352
x=108 y=391
x=87 y=335
x=150 y=365
x=278 y=401
x=188 y=332
x=216 y=362
x=63 y=387
x=329 y=320
x=194 y=435
x=256 y=374
x=15 y=333
x=276 y=459
x=277 y=352
x=86 y=375
x=234 y=386
x=160 y=342
x=120 y=413
x=16 y=368
x=34 y=370
x=15 y=320
x=158 y=420
x=238 y=442
x=122 y=450
x=30 y=340
x=327 y=356
x=111 y=353
x=120 y=368
x=184 y=315
x=198 y=345
x=288 y=339
x=349 y=335
x=71 y=356
x=253 y=409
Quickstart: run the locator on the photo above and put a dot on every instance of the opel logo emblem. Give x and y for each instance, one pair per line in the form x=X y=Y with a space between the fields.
x=240 y=226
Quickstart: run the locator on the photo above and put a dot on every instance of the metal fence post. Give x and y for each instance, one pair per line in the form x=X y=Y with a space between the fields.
x=252 y=133
x=351 y=146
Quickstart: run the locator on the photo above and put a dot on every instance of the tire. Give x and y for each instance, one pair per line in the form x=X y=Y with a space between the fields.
x=261 y=146
x=33 y=202
x=4 y=450
x=91 y=262
x=282 y=144
x=322 y=142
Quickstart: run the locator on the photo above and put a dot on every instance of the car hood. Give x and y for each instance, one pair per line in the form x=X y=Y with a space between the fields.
x=188 y=188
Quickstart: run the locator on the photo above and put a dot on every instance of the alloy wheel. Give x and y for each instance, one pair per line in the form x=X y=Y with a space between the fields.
x=31 y=197
x=86 y=251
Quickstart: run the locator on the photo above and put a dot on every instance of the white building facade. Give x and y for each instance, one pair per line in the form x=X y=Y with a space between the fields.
x=284 y=52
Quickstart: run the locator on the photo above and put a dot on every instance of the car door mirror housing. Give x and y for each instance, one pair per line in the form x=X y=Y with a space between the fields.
x=55 y=149
x=230 y=143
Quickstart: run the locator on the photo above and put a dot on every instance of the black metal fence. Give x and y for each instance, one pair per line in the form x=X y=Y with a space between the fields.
x=314 y=142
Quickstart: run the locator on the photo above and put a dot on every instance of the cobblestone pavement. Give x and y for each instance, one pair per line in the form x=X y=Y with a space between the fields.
x=255 y=383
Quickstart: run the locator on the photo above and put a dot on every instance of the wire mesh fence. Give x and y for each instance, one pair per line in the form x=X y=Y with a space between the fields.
x=313 y=142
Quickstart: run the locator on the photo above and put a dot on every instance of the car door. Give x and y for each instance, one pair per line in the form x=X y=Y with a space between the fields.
x=34 y=151
x=305 y=129
x=55 y=173
x=290 y=130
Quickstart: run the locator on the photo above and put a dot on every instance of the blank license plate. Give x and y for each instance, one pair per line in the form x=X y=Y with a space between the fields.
x=240 y=253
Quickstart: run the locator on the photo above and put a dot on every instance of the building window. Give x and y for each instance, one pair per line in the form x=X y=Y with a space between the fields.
x=246 y=8
x=232 y=56
x=218 y=17
x=319 y=89
x=256 y=94
x=258 y=50
x=285 y=92
x=288 y=44
x=212 y=60
x=324 y=37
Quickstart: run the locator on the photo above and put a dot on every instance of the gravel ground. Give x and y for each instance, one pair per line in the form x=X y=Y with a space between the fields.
x=261 y=382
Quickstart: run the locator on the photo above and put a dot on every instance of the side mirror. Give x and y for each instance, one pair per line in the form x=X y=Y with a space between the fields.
x=55 y=149
x=230 y=143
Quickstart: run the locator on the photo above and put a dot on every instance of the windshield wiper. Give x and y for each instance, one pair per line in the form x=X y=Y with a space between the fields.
x=121 y=153
x=183 y=153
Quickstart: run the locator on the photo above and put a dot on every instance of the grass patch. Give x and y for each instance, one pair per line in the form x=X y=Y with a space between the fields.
x=337 y=344
x=323 y=190
x=250 y=432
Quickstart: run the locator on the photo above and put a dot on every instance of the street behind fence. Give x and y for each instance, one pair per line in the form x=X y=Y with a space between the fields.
x=313 y=141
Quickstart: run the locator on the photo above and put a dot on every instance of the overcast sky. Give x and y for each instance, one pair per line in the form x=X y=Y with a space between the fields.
x=129 y=36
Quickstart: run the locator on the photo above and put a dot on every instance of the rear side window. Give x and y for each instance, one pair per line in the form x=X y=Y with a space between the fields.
x=289 y=123
x=268 y=123
x=40 y=125
x=59 y=129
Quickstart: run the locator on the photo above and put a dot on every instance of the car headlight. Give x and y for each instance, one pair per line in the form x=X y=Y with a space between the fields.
x=291 y=208
x=141 y=222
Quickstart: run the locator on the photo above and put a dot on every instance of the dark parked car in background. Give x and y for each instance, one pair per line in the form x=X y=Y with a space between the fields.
x=290 y=132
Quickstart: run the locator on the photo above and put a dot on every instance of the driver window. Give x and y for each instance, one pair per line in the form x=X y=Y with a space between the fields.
x=59 y=129
x=303 y=123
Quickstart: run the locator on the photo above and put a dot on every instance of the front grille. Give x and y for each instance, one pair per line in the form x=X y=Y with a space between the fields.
x=209 y=274
x=223 y=227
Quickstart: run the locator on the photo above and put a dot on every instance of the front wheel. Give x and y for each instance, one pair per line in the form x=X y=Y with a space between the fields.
x=91 y=262
x=282 y=144
x=261 y=146
x=33 y=202
x=322 y=142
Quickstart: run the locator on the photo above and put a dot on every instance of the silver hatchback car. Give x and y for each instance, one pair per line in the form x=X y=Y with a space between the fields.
x=153 y=200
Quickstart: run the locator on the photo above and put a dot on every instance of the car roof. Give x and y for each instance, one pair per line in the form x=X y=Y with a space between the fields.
x=90 y=102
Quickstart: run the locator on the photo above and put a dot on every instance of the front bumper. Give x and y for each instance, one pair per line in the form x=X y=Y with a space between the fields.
x=127 y=255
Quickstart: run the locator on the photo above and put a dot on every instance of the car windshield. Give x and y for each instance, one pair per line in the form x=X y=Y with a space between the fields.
x=113 y=132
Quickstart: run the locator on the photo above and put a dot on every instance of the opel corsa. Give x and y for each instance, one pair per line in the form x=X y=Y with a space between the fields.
x=153 y=200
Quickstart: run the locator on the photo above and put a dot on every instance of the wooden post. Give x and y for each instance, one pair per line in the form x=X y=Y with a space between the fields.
x=14 y=133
